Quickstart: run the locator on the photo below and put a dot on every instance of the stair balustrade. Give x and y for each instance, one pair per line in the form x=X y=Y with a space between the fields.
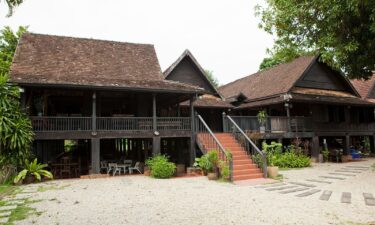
x=229 y=125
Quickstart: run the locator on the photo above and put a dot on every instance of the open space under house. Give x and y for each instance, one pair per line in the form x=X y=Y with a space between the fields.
x=93 y=102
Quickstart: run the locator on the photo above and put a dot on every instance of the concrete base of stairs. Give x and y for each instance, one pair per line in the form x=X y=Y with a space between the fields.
x=254 y=182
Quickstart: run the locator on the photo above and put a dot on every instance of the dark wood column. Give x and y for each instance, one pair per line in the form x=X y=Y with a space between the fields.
x=93 y=111
x=347 y=144
x=95 y=142
x=372 y=143
x=193 y=134
x=95 y=156
x=315 y=148
x=156 y=138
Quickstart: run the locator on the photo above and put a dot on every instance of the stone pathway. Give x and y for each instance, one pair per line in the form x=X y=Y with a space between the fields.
x=12 y=203
x=304 y=189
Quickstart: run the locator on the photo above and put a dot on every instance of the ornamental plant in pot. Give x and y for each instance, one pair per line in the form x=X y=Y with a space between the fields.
x=272 y=151
x=262 y=116
x=212 y=173
x=33 y=171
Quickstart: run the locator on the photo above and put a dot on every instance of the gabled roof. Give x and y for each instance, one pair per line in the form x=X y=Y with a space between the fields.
x=275 y=81
x=364 y=87
x=188 y=54
x=66 y=61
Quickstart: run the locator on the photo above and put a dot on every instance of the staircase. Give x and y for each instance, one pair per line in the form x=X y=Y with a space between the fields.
x=243 y=166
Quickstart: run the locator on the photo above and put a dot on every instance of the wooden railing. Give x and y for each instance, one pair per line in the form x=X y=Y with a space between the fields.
x=173 y=123
x=273 y=124
x=47 y=123
x=124 y=123
x=346 y=127
x=51 y=124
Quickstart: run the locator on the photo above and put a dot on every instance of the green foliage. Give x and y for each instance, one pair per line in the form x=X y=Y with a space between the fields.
x=342 y=32
x=15 y=127
x=325 y=153
x=8 y=44
x=292 y=158
x=262 y=116
x=224 y=170
x=161 y=167
x=12 y=4
x=210 y=75
x=33 y=169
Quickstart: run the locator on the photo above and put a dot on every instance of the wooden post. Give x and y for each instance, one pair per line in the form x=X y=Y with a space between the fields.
x=347 y=144
x=315 y=148
x=94 y=111
x=178 y=110
x=288 y=115
x=193 y=134
x=372 y=143
x=154 y=125
x=95 y=156
x=155 y=138
x=155 y=145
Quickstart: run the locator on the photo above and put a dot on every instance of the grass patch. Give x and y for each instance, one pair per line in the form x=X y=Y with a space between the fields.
x=286 y=169
x=6 y=190
x=49 y=188
x=23 y=211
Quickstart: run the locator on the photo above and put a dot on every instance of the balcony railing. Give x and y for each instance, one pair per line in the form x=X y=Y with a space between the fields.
x=273 y=124
x=55 y=124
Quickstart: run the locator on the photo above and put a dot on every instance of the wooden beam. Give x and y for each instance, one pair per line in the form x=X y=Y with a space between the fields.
x=155 y=145
x=94 y=111
x=315 y=148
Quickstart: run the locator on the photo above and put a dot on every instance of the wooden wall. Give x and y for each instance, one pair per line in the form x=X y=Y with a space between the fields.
x=187 y=72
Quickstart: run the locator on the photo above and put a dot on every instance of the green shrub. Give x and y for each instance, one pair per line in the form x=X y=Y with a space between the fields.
x=292 y=160
x=224 y=170
x=161 y=167
x=33 y=169
x=205 y=164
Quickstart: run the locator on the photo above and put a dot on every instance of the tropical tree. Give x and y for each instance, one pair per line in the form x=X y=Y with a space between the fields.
x=210 y=75
x=15 y=128
x=11 y=5
x=342 y=32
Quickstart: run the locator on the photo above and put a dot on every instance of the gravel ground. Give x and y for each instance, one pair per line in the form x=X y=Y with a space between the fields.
x=143 y=200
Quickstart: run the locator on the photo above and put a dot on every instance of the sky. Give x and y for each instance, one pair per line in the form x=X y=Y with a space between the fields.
x=223 y=35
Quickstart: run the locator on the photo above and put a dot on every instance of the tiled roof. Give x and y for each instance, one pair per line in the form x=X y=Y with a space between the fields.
x=364 y=87
x=56 y=60
x=274 y=81
x=209 y=101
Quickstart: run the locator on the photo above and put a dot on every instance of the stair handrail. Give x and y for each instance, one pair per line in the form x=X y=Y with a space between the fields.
x=263 y=154
x=221 y=148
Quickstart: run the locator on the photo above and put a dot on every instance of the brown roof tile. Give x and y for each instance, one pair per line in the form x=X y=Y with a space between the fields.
x=274 y=81
x=364 y=87
x=57 y=60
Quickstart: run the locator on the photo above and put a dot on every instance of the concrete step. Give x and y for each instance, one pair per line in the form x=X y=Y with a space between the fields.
x=247 y=176
x=245 y=166
x=246 y=171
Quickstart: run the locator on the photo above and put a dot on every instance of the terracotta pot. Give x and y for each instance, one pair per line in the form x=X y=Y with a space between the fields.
x=262 y=129
x=346 y=158
x=180 y=168
x=198 y=171
x=321 y=160
x=212 y=176
x=204 y=173
x=29 y=180
x=273 y=171
x=146 y=171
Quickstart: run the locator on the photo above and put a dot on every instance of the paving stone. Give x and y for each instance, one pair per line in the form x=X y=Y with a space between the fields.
x=280 y=188
x=369 y=199
x=294 y=190
x=343 y=174
x=349 y=171
x=361 y=167
x=319 y=181
x=271 y=185
x=303 y=184
x=5 y=213
x=4 y=220
x=307 y=193
x=7 y=207
x=16 y=202
x=325 y=195
x=336 y=178
x=346 y=197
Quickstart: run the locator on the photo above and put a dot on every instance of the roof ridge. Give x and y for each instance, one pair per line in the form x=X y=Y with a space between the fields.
x=85 y=38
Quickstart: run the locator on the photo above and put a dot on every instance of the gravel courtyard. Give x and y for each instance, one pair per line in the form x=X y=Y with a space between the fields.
x=143 y=200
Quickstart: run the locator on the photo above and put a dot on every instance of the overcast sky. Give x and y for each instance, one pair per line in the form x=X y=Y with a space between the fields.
x=223 y=35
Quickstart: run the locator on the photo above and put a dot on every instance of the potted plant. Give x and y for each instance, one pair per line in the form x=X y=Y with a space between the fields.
x=33 y=171
x=213 y=172
x=205 y=164
x=325 y=154
x=272 y=151
x=262 y=116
